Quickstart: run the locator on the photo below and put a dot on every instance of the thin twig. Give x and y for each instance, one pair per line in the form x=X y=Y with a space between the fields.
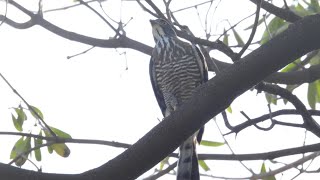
x=231 y=150
x=185 y=8
x=163 y=172
x=253 y=32
x=83 y=52
x=69 y=140
x=284 y=168
x=156 y=9
x=5 y=13
x=244 y=125
x=236 y=157
x=29 y=106
x=104 y=19
x=68 y=7
x=146 y=9
x=23 y=154
x=308 y=121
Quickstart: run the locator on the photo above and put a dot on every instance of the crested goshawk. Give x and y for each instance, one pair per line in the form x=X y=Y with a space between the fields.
x=176 y=69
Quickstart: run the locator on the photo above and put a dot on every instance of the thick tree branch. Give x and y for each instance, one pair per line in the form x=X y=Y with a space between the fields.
x=305 y=75
x=212 y=98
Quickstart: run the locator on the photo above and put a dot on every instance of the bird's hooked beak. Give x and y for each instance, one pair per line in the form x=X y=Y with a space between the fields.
x=157 y=30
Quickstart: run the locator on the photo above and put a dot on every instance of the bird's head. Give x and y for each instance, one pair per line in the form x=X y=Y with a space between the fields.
x=162 y=29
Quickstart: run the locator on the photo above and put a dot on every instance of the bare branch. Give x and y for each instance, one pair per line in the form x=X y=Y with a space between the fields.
x=163 y=172
x=156 y=9
x=284 y=168
x=253 y=31
x=104 y=19
x=309 y=123
x=236 y=129
x=281 y=13
x=146 y=9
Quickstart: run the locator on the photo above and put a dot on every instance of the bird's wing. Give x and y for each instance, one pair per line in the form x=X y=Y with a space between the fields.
x=204 y=68
x=203 y=65
x=156 y=89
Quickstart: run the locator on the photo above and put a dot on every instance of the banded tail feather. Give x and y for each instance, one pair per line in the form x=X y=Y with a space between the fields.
x=188 y=167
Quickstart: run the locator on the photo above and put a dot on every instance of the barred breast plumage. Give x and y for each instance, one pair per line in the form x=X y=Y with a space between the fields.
x=176 y=69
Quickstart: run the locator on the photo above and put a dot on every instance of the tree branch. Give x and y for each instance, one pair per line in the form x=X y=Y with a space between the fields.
x=68 y=140
x=236 y=129
x=286 y=167
x=308 y=121
x=262 y=156
x=253 y=31
x=279 y=12
x=305 y=75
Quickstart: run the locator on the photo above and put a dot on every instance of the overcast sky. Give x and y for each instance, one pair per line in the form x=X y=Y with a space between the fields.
x=95 y=96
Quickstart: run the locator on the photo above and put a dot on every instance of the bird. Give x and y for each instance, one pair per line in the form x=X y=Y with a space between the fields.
x=176 y=69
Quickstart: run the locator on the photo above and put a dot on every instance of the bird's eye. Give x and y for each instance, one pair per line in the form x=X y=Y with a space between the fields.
x=163 y=21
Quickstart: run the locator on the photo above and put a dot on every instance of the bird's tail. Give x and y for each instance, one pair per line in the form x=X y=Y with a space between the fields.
x=188 y=161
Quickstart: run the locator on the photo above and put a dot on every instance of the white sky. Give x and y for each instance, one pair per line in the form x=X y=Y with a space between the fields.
x=93 y=96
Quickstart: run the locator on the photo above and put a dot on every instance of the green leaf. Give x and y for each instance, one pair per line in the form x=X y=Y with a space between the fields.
x=17 y=148
x=271 y=98
x=37 y=152
x=291 y=66
x=275 y=26
x=263 y=170
x=290 y=88
x=20 y=147
x=315 y=60
x=259 y=22
x=163 y=162
x=229 y=109
x=314 y=6
x=318 y=90
x=50 y=150
x=204 y=165
x=19 y=120
x=225 y=38
x=300 y=10
x=17 y=123
x=37 y=111
x=238 y=38
x=211 y=143
x=60 y=133
x=312 y=95
x=61 y=149
x=21 y=114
